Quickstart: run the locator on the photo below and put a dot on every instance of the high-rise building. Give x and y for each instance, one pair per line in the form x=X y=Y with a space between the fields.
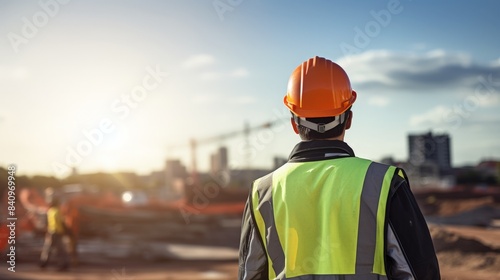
x=174 y=174
x=219 y=161
x=430 y=150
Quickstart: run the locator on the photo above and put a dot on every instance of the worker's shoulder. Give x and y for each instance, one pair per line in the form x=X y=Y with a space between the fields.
x=365 y=161
x=266 y=177
x=397 y=170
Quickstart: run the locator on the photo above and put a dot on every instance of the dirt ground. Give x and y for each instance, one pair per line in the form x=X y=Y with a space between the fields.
x=119 y=260
x=464 y=253
x=451 y=269
x=467 y=253
x=465 y=232
x=179 y=270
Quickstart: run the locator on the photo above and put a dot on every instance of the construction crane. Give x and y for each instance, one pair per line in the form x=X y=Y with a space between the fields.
x=195 y=143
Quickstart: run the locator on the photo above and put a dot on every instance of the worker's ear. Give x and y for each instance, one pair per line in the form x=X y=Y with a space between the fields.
x=294 y=125
x=348 y=121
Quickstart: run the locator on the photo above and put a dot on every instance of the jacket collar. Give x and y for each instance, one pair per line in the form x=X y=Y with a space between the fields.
x=320 y=150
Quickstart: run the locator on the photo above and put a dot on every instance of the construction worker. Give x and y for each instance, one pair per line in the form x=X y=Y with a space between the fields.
x=54 y=239
x=327 y=214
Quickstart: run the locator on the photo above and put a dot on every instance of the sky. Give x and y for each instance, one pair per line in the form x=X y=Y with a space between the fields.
x=124 y=85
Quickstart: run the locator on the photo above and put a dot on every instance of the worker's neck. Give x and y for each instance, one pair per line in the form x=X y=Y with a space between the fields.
x=340 y=137
x=336 y=138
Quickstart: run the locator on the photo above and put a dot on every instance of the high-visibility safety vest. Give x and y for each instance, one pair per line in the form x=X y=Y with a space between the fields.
x=323 y=217
x=54 y=221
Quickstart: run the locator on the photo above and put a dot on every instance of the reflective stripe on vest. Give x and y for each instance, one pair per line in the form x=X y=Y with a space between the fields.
x=323 y=217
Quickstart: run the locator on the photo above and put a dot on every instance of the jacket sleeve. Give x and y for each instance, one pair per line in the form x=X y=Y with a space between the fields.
x=410 y=252
x=252 y=256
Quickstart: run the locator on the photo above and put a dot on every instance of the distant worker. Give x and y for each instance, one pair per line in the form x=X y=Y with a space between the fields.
x=72 y=223
x=54 y=239
x=327 y=214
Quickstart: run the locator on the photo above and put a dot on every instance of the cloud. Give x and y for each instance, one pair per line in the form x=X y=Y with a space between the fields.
x=197 y=61
x=379 y=101
x=485 y=102
x=496 y=63
x=437 y=69
x=441 y=117
x=213 y=75
x=433 y=118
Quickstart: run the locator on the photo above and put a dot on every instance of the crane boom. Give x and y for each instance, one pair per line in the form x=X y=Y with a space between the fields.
x=194 y=143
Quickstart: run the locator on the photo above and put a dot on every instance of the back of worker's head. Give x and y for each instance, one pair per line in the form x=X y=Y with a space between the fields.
x=320 y=97
x=310 y=134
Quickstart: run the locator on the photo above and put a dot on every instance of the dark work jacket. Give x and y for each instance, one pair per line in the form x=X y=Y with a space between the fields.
x=408 y=245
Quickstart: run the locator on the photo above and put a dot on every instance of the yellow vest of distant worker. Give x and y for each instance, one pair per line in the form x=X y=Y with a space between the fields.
x=54 y=221
x=323 y=217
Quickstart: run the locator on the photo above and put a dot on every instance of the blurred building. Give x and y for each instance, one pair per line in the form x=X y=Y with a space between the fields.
x=490 y=167
x=175 y=176
x=175 y=169
x=489 y=172
x=219 y=161
x=430 y=155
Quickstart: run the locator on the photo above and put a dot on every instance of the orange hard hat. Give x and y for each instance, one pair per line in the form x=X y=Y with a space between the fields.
x=319 y=88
